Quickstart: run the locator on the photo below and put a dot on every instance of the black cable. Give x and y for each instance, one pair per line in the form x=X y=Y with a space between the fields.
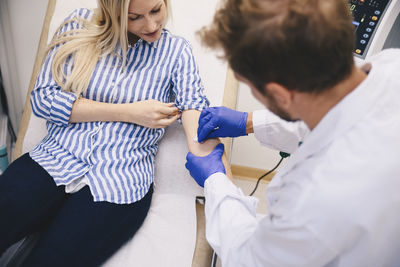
x=283 y=155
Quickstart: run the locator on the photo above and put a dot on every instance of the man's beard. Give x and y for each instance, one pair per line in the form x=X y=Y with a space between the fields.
x=274 y=108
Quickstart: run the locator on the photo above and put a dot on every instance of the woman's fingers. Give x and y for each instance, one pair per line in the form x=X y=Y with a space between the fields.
x=169 y=109
x=168 y=121
x=157 y=114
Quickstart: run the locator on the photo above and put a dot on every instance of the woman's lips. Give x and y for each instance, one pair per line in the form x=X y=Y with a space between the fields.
x=151 y=34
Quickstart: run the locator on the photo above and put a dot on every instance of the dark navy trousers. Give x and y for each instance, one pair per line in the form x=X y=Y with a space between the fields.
x=76 y=231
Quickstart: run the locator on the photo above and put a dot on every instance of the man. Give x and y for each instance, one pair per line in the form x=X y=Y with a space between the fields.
x=336 y=201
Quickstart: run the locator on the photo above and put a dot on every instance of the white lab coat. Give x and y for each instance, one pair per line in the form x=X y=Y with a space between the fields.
x=336 y=201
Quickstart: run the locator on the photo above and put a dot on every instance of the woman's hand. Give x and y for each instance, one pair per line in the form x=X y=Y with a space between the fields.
x=152 y=113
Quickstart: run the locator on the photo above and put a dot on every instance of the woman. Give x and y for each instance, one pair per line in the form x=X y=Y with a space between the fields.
x=106 y=90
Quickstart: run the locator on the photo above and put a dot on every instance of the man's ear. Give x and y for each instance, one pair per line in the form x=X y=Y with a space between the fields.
x=282 y=96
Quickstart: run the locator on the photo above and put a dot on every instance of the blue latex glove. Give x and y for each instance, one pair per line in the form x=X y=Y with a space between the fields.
x=221 y=122
x=201 y=168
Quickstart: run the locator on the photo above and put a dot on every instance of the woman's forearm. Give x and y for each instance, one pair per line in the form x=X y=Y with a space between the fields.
x=148 y=113
x=190 y=120
x=85 y=110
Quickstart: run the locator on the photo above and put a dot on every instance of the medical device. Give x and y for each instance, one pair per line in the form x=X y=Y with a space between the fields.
x=377 y=26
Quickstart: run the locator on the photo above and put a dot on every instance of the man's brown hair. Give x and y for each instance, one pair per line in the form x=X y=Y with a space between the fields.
x=304 y=45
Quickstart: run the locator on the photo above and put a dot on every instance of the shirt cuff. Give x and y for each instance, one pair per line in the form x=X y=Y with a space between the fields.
x=198 y=104
x=61 y=107
x=218 y=187
x=275 y=133
x=261 y=118
x=219 y=182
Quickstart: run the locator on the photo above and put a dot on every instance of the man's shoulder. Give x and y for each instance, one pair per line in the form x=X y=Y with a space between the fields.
x=390 y=56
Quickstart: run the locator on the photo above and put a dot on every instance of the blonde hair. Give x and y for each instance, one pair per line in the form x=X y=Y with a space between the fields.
x=97 y=37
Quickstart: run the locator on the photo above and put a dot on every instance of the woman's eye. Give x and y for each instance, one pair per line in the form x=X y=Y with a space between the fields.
x=156 y=10
x=133 y=18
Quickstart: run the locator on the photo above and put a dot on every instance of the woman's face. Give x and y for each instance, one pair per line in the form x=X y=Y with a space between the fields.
x=147 y=18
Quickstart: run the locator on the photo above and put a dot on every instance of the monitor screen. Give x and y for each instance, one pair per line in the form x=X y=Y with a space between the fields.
x=366 y=17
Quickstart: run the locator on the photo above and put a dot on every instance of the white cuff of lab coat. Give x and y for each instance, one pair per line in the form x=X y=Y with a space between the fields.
x=218 y=187
x=227 y=211
x=276 y=133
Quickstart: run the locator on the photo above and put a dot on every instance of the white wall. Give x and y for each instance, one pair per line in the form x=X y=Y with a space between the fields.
x=26 y=21
x=246 y=150
x=22 y=22
x=195 y=14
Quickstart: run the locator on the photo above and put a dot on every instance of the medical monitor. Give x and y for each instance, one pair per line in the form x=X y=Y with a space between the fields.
x=366 y=18
x=372 y=20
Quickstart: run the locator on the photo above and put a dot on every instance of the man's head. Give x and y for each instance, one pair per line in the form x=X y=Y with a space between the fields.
x=302 y=45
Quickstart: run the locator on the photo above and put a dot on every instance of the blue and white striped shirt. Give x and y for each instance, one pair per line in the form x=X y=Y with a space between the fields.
x=116 y=159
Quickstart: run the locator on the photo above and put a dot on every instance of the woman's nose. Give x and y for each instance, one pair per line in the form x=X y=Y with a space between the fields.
x=151 y=25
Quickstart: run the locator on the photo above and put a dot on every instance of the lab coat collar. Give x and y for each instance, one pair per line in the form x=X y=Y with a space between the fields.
x=338 y=120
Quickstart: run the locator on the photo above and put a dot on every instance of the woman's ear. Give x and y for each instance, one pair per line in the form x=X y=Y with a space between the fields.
x=282 y=96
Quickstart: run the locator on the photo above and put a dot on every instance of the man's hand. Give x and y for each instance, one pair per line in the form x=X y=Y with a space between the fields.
x=221 y=122
x=201 y=168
